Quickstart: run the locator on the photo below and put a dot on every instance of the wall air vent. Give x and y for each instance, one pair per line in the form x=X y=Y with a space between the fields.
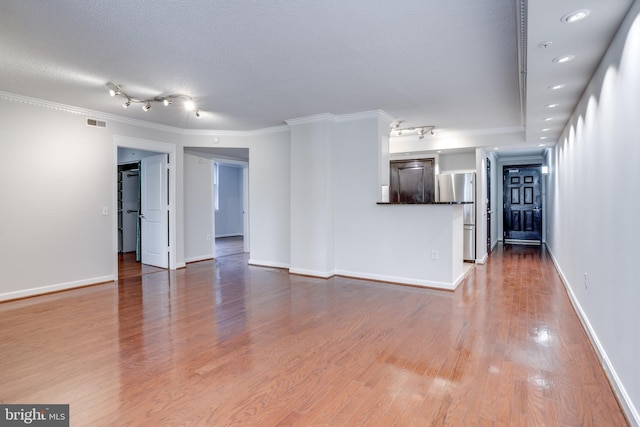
x=96 y=123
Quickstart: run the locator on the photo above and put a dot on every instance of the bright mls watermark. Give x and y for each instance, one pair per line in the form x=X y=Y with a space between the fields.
x=34 y=415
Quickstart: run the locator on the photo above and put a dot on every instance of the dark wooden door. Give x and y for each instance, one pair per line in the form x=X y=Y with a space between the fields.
x=412 y=181
x=488 y=206
x=522 y=204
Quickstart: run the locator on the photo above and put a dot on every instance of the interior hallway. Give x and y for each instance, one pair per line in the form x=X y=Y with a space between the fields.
x=221 y=342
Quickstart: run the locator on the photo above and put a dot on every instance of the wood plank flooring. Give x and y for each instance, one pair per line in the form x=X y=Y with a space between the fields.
x=129 y=267
x=223 y=343
x=232 y=245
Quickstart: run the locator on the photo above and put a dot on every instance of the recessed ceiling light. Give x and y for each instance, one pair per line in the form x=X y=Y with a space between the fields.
x=545 y=130
x=556 y=87
x=547 y=119
x=576 y=16
x=551 y=105
x=542 y=145
x=563 y=59
x=544 y=137
x=496 y=148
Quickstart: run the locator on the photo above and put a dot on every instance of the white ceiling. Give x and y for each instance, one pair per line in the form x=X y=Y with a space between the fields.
x=254 y=64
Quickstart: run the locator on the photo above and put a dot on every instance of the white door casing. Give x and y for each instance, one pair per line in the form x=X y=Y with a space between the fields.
x=154 y=211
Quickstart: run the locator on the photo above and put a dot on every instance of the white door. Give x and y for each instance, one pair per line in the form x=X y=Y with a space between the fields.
x=154 y=211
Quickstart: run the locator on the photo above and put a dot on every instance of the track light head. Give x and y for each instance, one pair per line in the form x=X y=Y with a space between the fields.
x=421 y=131
x=166 y=100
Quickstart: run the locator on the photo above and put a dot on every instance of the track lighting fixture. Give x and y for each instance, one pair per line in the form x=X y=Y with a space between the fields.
x=189 y=105
x=421 y=131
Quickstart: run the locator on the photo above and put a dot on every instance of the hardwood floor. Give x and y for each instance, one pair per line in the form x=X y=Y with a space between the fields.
x=224 y=343
x=129 y=267
x=232 y=245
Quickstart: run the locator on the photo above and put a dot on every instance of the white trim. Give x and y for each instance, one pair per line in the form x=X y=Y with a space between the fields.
x=312 y=273
x=161 y=147
x=373 y=114
x=55 y=288
x=404 y=280
x=619 y=389
x=35 y=102
x=482 y=260
x=311 y=119
x=271 y=264
x=199 y=258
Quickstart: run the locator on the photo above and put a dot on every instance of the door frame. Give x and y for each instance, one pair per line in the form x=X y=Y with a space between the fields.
x=530 y=165
x=245 y=200
x=147 y=145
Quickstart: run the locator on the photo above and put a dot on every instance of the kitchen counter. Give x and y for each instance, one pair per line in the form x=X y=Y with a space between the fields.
x=431 y=203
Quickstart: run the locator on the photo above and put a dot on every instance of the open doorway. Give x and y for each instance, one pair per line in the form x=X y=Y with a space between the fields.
x=145 y=207
x=130 y=217
x=229 y=207
x=216 y=202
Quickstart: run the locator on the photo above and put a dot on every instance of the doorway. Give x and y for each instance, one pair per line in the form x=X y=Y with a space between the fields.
x=488 y=205
x=522 y=204
x=155 y=208
x=231 y=206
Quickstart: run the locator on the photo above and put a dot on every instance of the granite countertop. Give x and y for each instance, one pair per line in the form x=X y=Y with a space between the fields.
x=430 y=203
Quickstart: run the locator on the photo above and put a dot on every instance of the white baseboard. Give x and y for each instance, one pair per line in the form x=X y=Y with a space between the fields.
x=198 y=258
x=619 y=389
x=483 y=259
x=260 y=263
x=55 y=288
x=229 y=235
x=312 y=273
x=403 y=280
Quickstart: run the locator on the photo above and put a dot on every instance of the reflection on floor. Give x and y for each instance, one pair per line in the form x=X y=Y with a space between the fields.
x=229 y=246
x=129 y=267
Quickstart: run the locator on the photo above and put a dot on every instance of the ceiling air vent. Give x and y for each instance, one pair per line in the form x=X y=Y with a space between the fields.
x=96 y=123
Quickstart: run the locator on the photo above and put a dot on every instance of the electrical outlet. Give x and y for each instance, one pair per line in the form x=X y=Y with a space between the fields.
x=208 y=236
x=585 y=281
x=434 y=254
x=105 y=210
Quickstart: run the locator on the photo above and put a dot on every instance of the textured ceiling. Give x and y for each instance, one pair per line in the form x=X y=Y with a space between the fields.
x=254 y=64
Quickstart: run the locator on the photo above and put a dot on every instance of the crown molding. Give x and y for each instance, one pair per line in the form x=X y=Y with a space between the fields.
x=311 y=119
x=56 y=106
x=372 y=114
x=35 y=102
x=480 y=132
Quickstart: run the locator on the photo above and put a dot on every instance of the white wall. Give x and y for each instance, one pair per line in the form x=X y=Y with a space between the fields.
x=372 y=240
x=54 y=183
x=312 y=196
x=594 y=201
x=67 y=176
x=198 y=190
x=457 y=161
x=228 y=218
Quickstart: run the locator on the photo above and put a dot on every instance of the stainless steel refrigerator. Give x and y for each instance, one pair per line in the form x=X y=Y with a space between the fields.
x=461 y=187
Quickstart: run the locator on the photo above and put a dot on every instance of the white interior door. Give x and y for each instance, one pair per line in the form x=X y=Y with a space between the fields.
x=154 y=211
